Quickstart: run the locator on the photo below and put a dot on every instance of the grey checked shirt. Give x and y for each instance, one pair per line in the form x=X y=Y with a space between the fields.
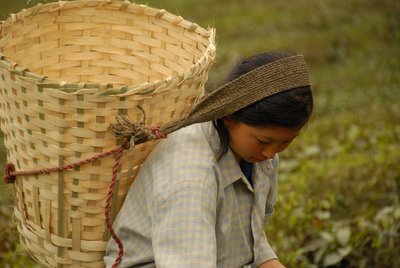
x=185 y=209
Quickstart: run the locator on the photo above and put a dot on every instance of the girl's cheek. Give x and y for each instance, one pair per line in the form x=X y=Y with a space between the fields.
x=258 y=148
x=283 y=147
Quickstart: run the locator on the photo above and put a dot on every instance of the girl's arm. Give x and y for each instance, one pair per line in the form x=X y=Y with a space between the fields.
x=274 y=263
x=183 y=230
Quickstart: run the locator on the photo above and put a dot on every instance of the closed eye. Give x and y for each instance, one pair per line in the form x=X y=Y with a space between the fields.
x=264 y=142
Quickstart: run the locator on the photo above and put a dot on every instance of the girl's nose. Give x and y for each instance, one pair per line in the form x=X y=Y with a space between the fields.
x=270 y=152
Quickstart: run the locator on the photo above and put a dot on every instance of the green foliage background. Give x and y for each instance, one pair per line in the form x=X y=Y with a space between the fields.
x=340 y=181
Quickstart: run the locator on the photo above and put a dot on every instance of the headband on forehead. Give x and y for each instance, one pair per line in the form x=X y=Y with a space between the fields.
x=262 y=82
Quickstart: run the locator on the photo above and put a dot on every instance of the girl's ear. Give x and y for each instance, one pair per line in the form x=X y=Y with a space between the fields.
x=228 y=121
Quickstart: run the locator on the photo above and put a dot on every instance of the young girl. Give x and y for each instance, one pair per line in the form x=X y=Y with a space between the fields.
x=202 y=197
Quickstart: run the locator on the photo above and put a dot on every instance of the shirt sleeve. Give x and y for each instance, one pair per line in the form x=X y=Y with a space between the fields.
x=266 y=252
x=183 y=228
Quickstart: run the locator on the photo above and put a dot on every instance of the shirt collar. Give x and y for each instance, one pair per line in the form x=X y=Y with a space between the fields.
x=230 y=169
x=267 y=166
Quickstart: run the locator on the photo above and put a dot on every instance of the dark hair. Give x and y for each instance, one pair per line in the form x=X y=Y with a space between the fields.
x=289 y=109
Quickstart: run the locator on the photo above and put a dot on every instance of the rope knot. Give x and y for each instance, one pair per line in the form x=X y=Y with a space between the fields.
x=158 y=133
x=8 y=173
x=135 y=132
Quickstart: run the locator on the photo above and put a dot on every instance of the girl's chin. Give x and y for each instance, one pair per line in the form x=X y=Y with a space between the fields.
x=255 y=160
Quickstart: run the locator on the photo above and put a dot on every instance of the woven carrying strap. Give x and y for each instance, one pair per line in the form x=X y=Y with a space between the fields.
x=267 y=80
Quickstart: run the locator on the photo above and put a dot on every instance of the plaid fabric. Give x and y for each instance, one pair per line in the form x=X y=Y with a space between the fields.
x=187 y=210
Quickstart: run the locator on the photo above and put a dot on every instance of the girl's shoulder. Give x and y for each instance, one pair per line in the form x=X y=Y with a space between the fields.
x=184 y=154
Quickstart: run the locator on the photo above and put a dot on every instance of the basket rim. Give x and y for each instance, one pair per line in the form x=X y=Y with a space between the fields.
x=106 y=88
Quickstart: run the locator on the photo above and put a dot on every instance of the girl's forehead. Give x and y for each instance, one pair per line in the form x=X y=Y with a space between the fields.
x=275 y=132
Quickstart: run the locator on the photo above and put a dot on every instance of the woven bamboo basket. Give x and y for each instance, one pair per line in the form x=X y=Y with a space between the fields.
x=67 y=69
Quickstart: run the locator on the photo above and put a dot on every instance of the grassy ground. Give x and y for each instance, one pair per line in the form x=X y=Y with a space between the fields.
x=339 y=183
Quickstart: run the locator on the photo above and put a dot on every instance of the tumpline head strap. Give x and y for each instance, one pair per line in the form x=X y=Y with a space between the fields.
x=262 y=82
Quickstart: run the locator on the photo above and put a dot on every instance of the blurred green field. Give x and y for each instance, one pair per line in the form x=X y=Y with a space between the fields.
x=339 y=202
